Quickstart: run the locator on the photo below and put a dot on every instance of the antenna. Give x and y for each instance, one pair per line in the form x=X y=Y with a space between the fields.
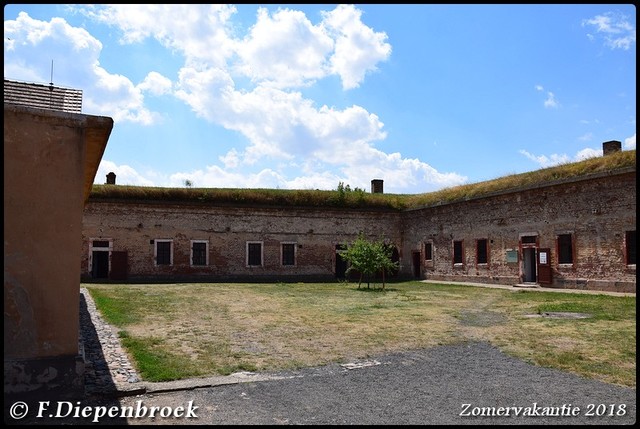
x=51 y=88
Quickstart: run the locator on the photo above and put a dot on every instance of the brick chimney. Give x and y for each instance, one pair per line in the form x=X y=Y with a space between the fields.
x=376 y=186
x=612 y=146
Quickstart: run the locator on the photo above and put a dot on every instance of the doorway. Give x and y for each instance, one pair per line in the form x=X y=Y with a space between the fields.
x=100 y=264
x=529 y=264
x=415 y=257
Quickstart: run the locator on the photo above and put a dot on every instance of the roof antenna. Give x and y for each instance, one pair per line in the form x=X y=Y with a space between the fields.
x=51 y=88
x=51 y=82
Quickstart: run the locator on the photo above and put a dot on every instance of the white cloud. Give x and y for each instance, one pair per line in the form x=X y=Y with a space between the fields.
x=278 y=122
x=546 y=161
x=190 y=29
x=551 y=101
x=217 y=177
x=75 y=55
x=285 y=50
x=616 y=29
x=125 y=175
x=556 y=159
x=587 y=153
x=358 y=47
x=230 y=160
x=156 y=84
x=630 y=143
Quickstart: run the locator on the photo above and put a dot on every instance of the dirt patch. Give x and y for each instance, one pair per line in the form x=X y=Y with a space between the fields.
x=561 y=315
x=481 y=318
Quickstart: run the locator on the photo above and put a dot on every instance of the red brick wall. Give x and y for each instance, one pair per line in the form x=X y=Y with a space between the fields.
x=132 y=226
x=596 y=212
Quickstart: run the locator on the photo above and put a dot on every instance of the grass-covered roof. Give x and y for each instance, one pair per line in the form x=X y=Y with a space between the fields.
x=346 y=198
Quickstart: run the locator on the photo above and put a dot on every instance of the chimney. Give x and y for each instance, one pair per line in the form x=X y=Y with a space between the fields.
x=376 y=186
x=111 y=178
x=612 y=146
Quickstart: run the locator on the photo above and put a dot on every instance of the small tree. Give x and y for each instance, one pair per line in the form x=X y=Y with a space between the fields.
x=368 y=258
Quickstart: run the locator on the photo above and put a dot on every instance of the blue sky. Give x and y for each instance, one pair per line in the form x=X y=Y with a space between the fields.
x=307 y=96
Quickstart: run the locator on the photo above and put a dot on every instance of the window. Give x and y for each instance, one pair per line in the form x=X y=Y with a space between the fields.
x=565 y=249
x=164 y=252
x=199 y=252
x=288 y=253
x=458 y=253
x=254 y=253
x=428 y=251
x=482 y=251
x=630 y=247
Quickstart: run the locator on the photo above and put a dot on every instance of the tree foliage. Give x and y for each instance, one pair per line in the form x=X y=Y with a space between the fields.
x=368 y=258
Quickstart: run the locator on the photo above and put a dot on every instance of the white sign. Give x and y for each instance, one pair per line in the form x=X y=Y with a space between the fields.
x=543 y=257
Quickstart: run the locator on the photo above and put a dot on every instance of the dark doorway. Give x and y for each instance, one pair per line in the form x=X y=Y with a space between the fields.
x=529 y=264
x=416 y=264
x=100 y=264
x=341 y=264
x=395 y=257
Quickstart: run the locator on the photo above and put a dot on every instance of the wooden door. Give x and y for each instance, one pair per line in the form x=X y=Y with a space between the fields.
x=119 y=266
x=545 y=273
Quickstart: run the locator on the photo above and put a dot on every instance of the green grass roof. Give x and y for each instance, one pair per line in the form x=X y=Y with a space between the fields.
x=623 y=160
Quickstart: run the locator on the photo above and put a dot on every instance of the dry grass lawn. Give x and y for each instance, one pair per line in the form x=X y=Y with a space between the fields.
x=177 y=331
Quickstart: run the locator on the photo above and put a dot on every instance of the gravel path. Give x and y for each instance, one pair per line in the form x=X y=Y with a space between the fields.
x=107 y=366
x=427 y=387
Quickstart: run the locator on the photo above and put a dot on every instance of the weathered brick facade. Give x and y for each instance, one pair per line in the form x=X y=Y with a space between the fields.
x=587 y=219
x=135 y=226
x=596 y=213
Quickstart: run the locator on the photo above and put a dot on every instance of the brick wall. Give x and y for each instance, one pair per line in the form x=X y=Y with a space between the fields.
x=133 y=226
x=596 y=212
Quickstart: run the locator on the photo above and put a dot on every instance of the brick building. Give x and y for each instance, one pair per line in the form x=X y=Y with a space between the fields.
x=572 y=232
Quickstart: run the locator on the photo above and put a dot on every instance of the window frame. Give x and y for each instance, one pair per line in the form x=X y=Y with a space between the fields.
x=97 y=248
x=428 y=255
x=486 y=252
x=627 y=250
x=247 y=252
x=155 y=251
x=561 y=251
x=206 y=253
x=295 y=253
x=453 y=259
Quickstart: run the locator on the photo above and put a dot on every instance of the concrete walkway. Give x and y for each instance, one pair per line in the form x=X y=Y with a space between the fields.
x=532 y=287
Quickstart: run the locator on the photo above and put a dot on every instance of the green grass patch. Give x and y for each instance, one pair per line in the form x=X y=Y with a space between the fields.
x=155 y=362
x=600 y=307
